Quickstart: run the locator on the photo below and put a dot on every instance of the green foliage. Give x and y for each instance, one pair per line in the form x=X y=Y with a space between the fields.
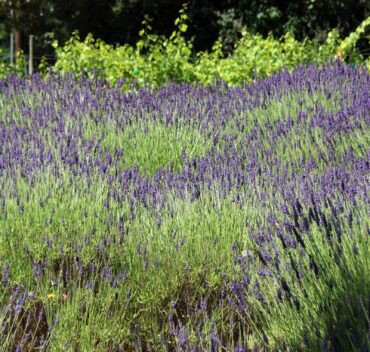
x=231 y=27
x=347 y=46
x=19 y=68
x=154 y=60
x=119 y=21
x=88 y=55
x=152 y=145
x=157 y=60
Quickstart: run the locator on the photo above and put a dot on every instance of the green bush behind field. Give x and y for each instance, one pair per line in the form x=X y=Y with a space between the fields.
x=157 y=60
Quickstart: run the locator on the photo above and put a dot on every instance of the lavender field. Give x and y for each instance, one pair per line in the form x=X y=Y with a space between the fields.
x=187 y=218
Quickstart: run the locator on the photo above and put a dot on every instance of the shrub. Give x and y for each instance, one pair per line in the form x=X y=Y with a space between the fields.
x=158 y=60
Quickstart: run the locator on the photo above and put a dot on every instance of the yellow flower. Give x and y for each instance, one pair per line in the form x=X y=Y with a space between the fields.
x=51 y=295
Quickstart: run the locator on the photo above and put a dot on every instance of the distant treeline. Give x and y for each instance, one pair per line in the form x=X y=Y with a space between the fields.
x=119 y=21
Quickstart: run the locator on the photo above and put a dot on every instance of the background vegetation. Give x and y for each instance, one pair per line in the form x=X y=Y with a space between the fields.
x=158 y=60
x=119 y=21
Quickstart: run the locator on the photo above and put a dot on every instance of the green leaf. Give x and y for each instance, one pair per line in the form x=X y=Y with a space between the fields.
x=183 y=27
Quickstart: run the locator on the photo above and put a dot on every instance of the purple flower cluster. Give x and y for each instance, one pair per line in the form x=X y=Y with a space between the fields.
x=43 y=129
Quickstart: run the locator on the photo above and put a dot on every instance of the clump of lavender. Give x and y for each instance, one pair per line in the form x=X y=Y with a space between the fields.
x=186 y=218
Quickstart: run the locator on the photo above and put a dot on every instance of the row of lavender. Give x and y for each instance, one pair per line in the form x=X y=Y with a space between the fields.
x=187 y=218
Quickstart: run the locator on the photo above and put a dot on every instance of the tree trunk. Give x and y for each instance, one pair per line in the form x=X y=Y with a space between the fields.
x=18 y=43
x=16 y=24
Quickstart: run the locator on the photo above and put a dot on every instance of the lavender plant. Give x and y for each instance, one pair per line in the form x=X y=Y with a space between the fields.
x=186 y=218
